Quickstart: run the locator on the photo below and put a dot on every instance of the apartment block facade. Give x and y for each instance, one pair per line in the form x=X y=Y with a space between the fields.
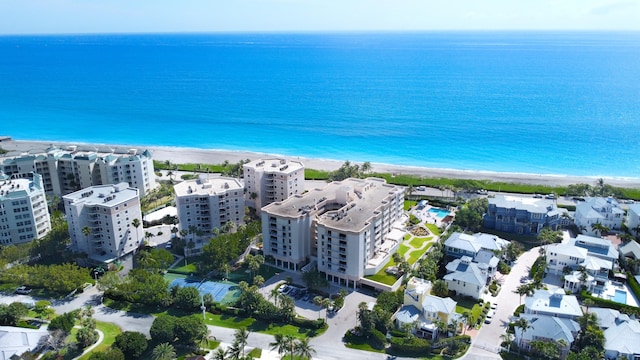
x=270 y=180
x=24 y=215
x=342 y=227
x=101 y=221
x=207 y=204
x=65 y=170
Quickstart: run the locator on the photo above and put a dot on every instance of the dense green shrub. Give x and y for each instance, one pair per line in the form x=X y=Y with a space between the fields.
x=410 y=346
x=378 y=339
x=307 y=323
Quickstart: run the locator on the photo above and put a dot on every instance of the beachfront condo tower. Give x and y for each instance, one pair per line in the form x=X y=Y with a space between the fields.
x=348 y=229
x=69 y=169
x=271 y=180
x=24 y=215
x=101 y=221
x=206 y=207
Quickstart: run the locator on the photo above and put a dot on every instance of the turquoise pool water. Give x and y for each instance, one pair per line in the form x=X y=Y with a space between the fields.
x=620 y=297
x=439 y=212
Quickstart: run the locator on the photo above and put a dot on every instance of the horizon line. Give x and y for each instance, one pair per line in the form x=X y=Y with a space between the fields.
x=319 y=32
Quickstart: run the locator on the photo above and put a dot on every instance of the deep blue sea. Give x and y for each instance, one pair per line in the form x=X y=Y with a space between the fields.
x=541 y=103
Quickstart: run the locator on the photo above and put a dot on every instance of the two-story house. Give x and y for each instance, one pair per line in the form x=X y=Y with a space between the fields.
x=523 y=215
x=423 y=309
x=598 y=210
x=466 y=278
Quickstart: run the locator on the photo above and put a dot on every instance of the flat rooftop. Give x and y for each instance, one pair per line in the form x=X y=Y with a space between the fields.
x=105 y=195
x=275 y=165
x=207 y=187
x=350 y=203
x=523 y=203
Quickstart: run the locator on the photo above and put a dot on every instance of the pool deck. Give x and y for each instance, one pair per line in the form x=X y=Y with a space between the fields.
x=430 y=217
x=609 y=292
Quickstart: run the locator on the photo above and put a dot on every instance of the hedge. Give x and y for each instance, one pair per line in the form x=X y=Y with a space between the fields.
x=623 y=308
x=411 y=346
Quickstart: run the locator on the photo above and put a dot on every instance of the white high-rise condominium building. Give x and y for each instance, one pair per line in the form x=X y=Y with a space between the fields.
x=101 y=220
x=67 y=170
x=208 y=204
x=271 y=180
x=344 y=226
x=24 y=215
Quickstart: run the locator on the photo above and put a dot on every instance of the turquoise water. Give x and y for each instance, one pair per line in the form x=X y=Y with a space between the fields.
x=540 y=103
x=620 y=297
x=441 y=213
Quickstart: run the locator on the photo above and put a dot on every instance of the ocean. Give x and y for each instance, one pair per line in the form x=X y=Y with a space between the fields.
x=527 y=102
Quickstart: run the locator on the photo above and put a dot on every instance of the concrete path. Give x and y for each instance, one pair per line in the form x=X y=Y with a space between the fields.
x=90 y=348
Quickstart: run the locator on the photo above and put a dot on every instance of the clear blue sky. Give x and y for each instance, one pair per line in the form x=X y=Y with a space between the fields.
x=107 y=16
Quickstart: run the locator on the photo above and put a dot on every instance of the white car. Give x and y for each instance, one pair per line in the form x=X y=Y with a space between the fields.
x=489 y=317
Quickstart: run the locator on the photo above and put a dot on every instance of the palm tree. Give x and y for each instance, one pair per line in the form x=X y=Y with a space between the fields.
x=240 y=338
x=86 y=231
x=507 y=337
x=523 y=325
x=220 y=354
x=226 y=268
x=274 y=294
x=303 y=349
x=525 y=289
x=284 y=344
x=164 y=351
x=599 y=229
x=465 y=317
x=136 y=223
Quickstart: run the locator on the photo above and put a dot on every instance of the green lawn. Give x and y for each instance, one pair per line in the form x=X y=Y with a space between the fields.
x=417 y=242
x=359 y=343
x=110 y=332
x=402 y=250
x=416 y=254
x=408 y=204
x=185 y=269
x=464 y=304
x=255 y=353
x=254 y=325
x=407 y=237
x=384 y=278
x=435 y=230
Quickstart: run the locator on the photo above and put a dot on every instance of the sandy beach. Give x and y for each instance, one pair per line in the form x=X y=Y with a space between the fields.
x=181 y=155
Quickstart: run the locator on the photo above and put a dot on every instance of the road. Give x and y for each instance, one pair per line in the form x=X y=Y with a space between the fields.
x=486 y=344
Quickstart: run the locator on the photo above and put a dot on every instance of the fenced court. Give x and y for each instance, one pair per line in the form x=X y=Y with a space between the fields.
x=222 y=291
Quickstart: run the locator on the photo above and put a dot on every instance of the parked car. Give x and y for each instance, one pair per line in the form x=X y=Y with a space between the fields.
x=489 y=317
x=421 y=188
x=537 y=196
x=550 y=196
x=23 y=290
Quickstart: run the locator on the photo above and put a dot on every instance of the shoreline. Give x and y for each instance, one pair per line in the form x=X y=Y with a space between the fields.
x=181 y=155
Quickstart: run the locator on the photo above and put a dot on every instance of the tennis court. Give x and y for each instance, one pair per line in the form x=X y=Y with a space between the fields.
x=223 y=292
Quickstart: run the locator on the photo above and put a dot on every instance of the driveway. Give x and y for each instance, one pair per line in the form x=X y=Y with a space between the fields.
x=487 y=342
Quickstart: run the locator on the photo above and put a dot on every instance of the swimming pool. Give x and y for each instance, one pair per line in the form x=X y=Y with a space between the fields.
x=439 y=212
x=620 y=297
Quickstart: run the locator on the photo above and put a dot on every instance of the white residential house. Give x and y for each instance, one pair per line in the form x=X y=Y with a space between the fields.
x=548 y=329
x=630 y=251
x=205 y=205
x=460 y=244
x=348 y=228
x=608 y=318
x=423 y=309
x=69 y=169
x=270 y=180
x=622 y=341
x=15 y=341
x=100 y=220
x=553 y=303
x=466 y=278
x=24 y=215
x=598 y=256
x=598 y=210
x=633 y=219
